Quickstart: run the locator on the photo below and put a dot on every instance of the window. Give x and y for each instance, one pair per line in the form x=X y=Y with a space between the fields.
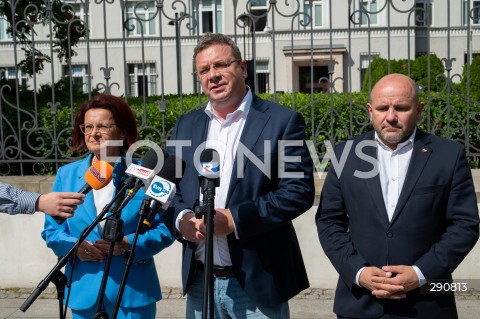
x=209 y=16
x=315 y=12
x=4 y=24
x=471 y=13
x=423 y=13
x=473 y=55
x=80 y=76
x=259 y=4
x=78 y=9
x=365 y=60
x=142 y=80
x=259 y=9
x=263 y=75
x=13 y=74
x=140 y=17
x=368 y=10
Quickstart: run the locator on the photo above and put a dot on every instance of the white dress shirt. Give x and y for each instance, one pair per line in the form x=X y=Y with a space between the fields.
x=223 y=136
x=393 y=166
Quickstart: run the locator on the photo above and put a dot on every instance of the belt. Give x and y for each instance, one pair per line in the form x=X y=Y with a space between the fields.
x=218 y=272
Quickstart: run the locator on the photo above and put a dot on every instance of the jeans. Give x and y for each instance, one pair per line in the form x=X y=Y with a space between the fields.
x=230 y=301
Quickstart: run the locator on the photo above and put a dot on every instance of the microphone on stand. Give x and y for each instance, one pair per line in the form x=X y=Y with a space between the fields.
x=97 y=176
x=141 y=175
x=161 y=190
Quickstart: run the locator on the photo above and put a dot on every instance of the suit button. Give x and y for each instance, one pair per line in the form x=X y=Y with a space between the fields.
x=389 y=234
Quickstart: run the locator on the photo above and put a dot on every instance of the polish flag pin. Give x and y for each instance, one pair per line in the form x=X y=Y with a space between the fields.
x=424 y=150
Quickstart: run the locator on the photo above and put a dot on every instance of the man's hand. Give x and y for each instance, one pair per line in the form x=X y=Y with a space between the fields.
x=61 y=204
x=191 y=228
x=380 y=283
x=222 y=222
x=405 y=276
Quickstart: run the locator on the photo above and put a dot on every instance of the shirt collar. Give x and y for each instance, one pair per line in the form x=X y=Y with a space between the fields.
x=409 y=141
x=243 y=108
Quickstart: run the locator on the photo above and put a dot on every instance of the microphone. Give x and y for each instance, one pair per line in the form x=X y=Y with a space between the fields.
x=143 y=175
x=119 y=175
x=97 y=176
x=209 y=168
x=209 y=163
x=161 y=190
x=209 y=174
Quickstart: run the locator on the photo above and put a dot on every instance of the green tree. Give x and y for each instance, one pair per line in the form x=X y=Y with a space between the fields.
x=474 y=80
x=23 y=15
x=419 y=72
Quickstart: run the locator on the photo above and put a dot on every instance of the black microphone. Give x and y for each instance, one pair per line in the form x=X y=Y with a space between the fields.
x=209 y=171
x=140 y=175
x=97 y=176
x=161 y=190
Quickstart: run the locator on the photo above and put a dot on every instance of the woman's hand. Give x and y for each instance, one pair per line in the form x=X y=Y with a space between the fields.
x=104 y=246
x=88 y=252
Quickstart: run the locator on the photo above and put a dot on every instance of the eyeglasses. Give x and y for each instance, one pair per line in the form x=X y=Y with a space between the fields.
x=102 y=128
x=219 y=66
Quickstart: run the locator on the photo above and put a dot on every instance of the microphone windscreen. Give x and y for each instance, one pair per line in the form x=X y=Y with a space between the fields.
x=209 y=163
x=150 y=159
x=99 y=174
x=168 y=169
x=119 y=175
x=209 y=155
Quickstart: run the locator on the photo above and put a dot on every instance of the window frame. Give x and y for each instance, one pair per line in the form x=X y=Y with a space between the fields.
x=136 y=14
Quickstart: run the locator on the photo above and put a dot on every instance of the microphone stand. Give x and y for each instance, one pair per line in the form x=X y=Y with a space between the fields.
x=62 y=261
x=112 y=232
x=60 y=281
x=130 y=255
x=208 y=210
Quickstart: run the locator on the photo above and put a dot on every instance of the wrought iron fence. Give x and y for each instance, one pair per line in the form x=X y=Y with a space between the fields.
x=56 y=53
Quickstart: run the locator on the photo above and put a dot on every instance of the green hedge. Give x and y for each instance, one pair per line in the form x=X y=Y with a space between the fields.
x=335 y=117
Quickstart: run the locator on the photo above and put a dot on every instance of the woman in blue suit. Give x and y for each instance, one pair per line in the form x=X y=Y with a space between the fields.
x=97 y=123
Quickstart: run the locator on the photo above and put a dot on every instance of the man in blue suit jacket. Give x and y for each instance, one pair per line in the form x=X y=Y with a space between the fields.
x=257 y=258
x=399 y=214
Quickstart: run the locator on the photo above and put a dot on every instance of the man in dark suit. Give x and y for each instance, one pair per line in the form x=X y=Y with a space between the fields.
x=400 y=213
x=266 y=181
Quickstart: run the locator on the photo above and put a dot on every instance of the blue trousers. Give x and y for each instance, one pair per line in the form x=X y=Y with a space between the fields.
x=230 y=301
x=147 y=312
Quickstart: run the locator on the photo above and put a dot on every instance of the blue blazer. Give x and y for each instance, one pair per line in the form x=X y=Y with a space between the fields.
x=143 y=287
x=266 y=257
x=434 y=226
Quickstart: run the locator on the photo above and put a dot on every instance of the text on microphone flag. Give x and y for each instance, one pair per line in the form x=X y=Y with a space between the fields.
x=209 y=167
x=161 y=190
x=101 y=172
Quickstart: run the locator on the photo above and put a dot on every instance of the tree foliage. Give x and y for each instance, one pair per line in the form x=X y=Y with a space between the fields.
x=418 y=71
x=474 y=80
x=24 y=15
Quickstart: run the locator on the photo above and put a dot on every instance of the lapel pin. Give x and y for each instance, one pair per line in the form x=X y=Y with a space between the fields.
x=424 y=150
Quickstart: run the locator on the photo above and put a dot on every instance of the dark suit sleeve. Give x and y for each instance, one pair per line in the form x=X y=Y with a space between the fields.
x=332 y=226
x=285 y=198
x=462 y=225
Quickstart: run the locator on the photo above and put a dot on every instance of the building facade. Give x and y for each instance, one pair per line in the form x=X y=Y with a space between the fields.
x=135 y=48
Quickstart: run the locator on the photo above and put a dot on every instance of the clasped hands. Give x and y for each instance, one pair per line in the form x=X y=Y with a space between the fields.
x=195 y=230
x=98 y=251
x=391 y=282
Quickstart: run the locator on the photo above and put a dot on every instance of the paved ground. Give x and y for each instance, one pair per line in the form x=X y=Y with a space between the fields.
x=306 y=306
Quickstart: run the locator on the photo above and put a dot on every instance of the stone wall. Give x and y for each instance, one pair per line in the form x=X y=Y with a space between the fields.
x=26 y=260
